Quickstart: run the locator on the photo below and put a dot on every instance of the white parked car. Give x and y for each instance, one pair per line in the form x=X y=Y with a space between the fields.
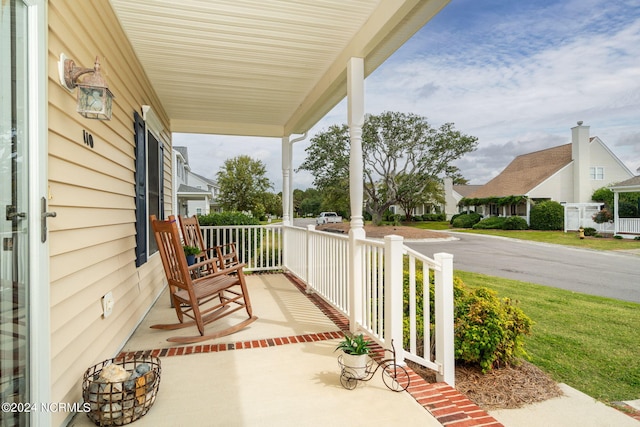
x=328 y=217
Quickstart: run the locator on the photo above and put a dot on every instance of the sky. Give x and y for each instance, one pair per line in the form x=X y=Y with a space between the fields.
x=518 y=75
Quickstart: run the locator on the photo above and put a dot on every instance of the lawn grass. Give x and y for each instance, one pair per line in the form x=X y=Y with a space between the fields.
x=588 y=342
x=429 y=225
x=555 y=237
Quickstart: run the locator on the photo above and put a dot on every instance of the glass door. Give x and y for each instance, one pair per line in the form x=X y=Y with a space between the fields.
x=14 y=197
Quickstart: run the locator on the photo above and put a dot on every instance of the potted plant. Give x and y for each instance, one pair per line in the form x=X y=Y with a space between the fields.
x=355 y=353
x=190 y=252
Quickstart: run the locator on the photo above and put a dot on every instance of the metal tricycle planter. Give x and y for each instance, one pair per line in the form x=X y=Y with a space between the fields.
x=394 y=376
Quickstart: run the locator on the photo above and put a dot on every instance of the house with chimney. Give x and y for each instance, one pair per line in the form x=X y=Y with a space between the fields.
x=568 y=174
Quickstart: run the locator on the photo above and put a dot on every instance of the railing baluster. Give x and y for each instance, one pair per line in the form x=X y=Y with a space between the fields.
x=412 y=305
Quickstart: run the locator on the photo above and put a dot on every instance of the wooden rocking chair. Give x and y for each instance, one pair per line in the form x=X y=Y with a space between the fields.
x=192 y=235
x=216 y=294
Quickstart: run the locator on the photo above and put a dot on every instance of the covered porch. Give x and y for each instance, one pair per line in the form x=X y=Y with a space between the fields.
x=271 y=70
x=281 y=370
x=625 y=227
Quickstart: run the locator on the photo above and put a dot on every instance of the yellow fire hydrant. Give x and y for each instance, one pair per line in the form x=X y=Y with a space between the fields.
x=581 y=233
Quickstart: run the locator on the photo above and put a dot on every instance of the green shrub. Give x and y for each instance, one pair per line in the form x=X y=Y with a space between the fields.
x=603 y=195
x=453 y=217
x=490 y=223
x=590 y=231
x=627 y=210
x=434 y=217
x=515 y=223
x=617 y=236
x=388 y=215
x=227 y=218
x=489 y=331
x=548 y=215
x=603 y=216
x=466 y=220
x=230 y=218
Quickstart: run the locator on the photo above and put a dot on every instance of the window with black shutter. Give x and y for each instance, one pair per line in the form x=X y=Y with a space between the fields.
x=149 y=178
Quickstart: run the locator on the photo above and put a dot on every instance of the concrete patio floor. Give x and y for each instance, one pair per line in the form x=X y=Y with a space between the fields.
x=281 y=370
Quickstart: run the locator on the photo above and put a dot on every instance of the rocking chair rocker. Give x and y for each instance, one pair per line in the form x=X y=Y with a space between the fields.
x=215 y=294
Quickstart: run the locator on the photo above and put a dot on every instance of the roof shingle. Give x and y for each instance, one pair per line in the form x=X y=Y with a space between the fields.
x=525 y=172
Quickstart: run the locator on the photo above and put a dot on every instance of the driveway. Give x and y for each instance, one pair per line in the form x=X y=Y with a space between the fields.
x=601 y=273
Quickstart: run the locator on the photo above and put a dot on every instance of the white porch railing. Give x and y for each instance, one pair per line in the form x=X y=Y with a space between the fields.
x=396 y=285
x=390 y=277
x=629 y=225
x=260 y=247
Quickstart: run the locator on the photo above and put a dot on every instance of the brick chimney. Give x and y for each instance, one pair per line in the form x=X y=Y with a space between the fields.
x=581 y=160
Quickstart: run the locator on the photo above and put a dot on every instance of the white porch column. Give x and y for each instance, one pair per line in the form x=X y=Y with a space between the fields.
x=355 y=120
x=287 y=192
x=616 y=218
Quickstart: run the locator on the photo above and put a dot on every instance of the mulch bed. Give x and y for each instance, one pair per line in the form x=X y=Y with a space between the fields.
x=502 y=388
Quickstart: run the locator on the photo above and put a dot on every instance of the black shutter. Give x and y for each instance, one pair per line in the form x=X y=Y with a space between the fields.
x=161 y=145
x=141 y=190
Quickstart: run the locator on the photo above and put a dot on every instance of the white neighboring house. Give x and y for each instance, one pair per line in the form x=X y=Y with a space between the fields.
x=568 y=174
x=453 y=193
x=195 y=194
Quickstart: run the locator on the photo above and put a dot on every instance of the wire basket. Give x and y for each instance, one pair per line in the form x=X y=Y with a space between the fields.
x=116 y=403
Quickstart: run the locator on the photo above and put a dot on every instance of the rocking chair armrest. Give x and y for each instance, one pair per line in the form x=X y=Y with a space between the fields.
x=225 y=272
x=234 y=268
x=199 y=264
x=225 y=245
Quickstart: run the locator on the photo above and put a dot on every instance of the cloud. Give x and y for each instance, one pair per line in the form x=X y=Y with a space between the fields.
x=517 y=75
x=504 y=78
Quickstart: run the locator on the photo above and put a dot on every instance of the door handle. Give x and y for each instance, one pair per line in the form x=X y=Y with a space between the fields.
x=43 y=218
x=16 y=215
x=12 y=213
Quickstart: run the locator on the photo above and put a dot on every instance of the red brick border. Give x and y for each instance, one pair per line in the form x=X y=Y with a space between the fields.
x=240 y=345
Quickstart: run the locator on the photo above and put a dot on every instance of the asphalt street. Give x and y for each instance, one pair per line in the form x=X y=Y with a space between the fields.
x=603 y=273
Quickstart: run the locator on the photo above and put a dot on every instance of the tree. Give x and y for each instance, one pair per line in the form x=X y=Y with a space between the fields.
x=397 y=147
x=272 y=203
x=628 y=203
x=412 y=192
x=454 y=173
x=307 y=202
x=328 y=161
x=242 y=182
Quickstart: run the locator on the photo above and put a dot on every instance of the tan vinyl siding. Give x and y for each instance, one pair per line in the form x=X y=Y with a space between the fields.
x=92 y=239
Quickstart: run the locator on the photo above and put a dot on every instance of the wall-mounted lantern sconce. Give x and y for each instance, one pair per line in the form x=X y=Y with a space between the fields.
x=94 y=97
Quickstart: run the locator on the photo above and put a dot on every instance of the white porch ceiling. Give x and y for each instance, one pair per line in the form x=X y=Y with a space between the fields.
x=261 y=67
